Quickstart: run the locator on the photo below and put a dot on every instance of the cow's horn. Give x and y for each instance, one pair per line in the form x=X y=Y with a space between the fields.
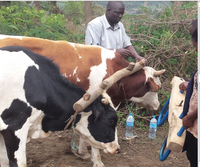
x=104 y=101
x=158 y=73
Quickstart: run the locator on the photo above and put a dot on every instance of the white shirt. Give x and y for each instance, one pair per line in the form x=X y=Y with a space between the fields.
x=99 y=32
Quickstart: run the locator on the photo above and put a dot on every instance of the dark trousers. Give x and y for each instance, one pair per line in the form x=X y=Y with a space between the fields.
x=191 y=148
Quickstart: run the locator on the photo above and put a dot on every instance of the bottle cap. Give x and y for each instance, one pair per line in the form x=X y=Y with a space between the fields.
x=130 y=114
x=154 y=116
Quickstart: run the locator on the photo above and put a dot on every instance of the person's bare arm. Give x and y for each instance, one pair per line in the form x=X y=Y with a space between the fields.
x=189 y=119
x=130 y=52
x=124 y=52
x=135 y=54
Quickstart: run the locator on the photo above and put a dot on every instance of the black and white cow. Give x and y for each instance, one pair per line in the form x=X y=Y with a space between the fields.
x=36 y=100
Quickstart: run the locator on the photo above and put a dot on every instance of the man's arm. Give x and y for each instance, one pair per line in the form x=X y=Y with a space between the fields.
x=135 y=54
x=128 y=50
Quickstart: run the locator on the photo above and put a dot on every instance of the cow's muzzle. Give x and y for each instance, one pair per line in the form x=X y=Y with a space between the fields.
x=111 y=148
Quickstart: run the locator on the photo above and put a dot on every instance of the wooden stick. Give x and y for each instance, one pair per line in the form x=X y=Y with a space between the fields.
x=107 y=83
x=174 y=142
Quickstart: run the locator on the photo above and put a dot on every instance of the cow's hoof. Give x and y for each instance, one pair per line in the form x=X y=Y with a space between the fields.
x=99 y=165
x=85 y=156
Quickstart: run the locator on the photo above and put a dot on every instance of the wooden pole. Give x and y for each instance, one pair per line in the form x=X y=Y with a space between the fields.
x=106 y=84
x=174 y=142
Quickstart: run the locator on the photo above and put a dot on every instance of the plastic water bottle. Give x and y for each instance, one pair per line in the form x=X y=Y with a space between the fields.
x=129 y=125
x=153 y=127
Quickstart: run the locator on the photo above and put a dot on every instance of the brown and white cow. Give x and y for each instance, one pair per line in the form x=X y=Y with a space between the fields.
x=87 y=66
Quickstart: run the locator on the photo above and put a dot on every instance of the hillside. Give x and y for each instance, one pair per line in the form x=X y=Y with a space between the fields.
x=133 y=6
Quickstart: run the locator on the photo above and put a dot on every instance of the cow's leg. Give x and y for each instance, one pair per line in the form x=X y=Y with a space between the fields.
x=96 y=158
x=84 y=154
x=95 y=154
x=4 y=162
x=16 y=147
x=83 y=151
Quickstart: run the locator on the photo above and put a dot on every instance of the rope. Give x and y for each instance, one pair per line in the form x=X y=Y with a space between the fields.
x=121 y=85
x=73 y=117
x=74 y=147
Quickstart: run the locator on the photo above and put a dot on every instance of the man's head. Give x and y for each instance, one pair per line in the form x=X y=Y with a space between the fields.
x=193 y=26
x=193 y=32
x=114 y=12
x=195 y=39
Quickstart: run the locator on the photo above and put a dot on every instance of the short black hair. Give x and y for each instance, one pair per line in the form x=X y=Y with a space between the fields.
x=194 y=23
x=195 y=35
x=111 y=4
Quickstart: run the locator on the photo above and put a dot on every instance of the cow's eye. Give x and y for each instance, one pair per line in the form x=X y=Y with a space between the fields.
x=111 y=121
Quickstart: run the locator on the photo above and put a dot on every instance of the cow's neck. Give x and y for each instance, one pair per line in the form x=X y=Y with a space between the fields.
x=117 y=93
x=56 y=117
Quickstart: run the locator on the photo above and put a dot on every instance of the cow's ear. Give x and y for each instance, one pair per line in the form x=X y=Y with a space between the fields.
x=153 y=86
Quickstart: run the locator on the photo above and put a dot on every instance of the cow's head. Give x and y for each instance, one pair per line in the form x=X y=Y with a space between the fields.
x=141 y=87
x=151 y=86
x=97 y=126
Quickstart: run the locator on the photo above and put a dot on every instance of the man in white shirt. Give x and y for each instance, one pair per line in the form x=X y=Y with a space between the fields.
x=108 y=32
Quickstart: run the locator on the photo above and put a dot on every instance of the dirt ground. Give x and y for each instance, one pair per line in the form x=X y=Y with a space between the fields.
x=55 y=151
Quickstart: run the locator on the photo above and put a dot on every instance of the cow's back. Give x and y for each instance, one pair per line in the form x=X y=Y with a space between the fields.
x=76 y=61
x=87 y=66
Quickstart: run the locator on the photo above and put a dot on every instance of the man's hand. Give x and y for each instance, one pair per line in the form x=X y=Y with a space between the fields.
x=140 y=58
x=124 y=52
x=189 y=119
x=183 y=86
x=187 y=122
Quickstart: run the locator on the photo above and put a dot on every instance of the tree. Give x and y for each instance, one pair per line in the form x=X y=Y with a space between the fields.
x=54 y=8
x=4 y=3
x=37 y=5
x=88 y=16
